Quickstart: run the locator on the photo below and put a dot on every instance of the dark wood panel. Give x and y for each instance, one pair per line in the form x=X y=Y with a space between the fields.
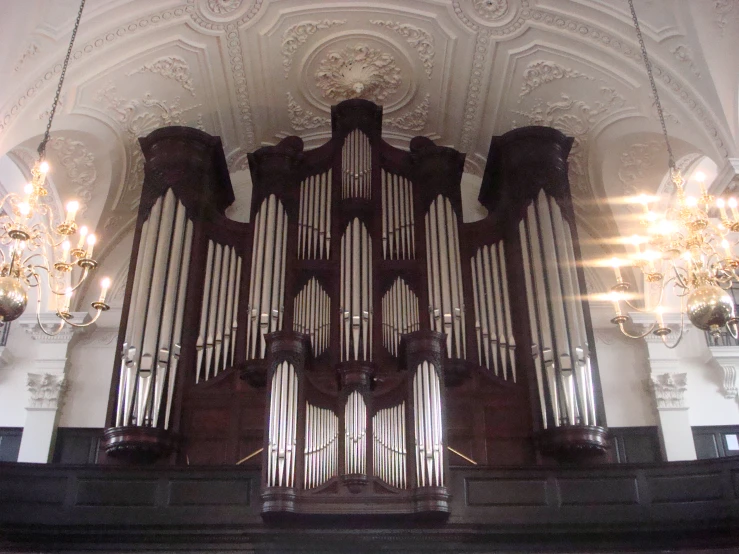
x=686 y=488
x=77 y=445
x=636 y=445
x=716 y=441
x=588 y=491
x=114 y=492
x=208 y=492
x=506 y=492
x=10 y=443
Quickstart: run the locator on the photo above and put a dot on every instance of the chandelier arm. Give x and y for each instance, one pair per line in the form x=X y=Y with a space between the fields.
x=641 y=336
x=98 y=311
x=52 y=333
x=657 y=103
x=83 y=277
x=645 y=309
x=682 y=328
x=735 y=333
x=55 y=103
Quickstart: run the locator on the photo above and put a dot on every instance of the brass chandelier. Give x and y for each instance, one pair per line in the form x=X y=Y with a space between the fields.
x=685 y=249
x=34 y=243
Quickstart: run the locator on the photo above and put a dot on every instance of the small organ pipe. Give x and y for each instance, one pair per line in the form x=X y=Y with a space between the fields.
x=213 y=310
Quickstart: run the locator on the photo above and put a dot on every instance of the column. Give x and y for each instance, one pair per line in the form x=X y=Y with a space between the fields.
x=676 y=435
x=46 y=384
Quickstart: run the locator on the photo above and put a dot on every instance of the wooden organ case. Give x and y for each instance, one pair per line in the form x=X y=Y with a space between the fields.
x=356 y=337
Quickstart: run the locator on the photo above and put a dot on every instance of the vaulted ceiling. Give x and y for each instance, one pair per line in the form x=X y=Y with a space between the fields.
x=254 y=71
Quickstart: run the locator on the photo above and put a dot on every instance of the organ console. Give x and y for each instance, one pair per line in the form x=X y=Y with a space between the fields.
x=356 y=327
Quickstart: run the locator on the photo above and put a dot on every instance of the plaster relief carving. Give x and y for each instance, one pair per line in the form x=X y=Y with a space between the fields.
x=418 y=38
x=45 y=390
x=729 y=382
x=575 y=118
x=635 y=161
x=684 y=54
x=79 y=164
x=301 y=118
x=31 y=50
x=358 y=72
x=724 y=10
x=491 y=10
x=541 y=72
x=224 y=7
x=414 y=120
x=138 y=118
x=296 y=35
x=669 y=390
x=170 y=67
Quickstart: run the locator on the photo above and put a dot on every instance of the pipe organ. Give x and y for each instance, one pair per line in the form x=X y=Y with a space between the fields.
x=353 y=374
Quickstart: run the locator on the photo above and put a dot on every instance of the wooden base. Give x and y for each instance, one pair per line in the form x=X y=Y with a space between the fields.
x=138 y=444
x=574 y=443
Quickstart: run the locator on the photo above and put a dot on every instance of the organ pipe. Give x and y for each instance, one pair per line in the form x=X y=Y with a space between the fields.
x=428 y=426
x=321 y=460
x=356 y=293
x=311 y=315
x=314 y=217
x=493 y=323
x=560 y=350
x=355 y=442
x=399 y=314
x=446 y=307
x=283 y=411
x=356 y=163
x=151 y=345
x=266 y=289
x=388 y=445
x=398 y=242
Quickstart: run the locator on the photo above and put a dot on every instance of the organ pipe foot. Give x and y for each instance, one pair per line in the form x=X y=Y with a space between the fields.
x=432 y=502
x=137 y=445
x=574 y=443
x=278 y=500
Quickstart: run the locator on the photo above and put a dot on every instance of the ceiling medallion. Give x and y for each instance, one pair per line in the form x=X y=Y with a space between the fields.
x=358 y=72
x=491 y=9
x=223 y=7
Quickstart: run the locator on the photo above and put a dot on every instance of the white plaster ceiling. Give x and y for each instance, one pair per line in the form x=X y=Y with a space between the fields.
x=254 y=71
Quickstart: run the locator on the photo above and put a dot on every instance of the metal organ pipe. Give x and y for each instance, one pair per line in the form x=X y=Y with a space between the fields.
x=493 y=326
x=356 y=161
x=428 y=426
x=561 y=351
x=153 y=330
x=312 y=315
x=355 y=425
x=398 y=240
x=445 y=285
x=282 y=436
x=399 y=314
x=266 y=291
x=388 y=445
x=314 y=217
x=321 y=445
x=356 y=293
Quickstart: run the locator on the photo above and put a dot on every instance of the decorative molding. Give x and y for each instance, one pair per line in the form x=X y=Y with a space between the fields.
x=238 y=159
x=541 y=72
x=79 y=164
x=358 y=72
x=170 y=67
x=492 y=10
x=724 y=10
x=296 y=35
x=729 y=382
x=45 y=390
x=472 y=167
x=30 y=51
x=302 y=119
x=89 y=48
x=31 y=324
x=138 y=118
x=224 y=7
x=100 y=337
x=669 y=390
x=220 y=25
x=637 y=158
x=418 y=38
x=684 y=54
x=414 y=120
x=575 y=118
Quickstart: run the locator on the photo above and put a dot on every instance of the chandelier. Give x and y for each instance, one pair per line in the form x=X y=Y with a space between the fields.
x=684 y=249
x=39 y=252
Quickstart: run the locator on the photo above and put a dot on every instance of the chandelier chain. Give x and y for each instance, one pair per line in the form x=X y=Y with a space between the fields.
x=657 y=103
x=55 y=103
